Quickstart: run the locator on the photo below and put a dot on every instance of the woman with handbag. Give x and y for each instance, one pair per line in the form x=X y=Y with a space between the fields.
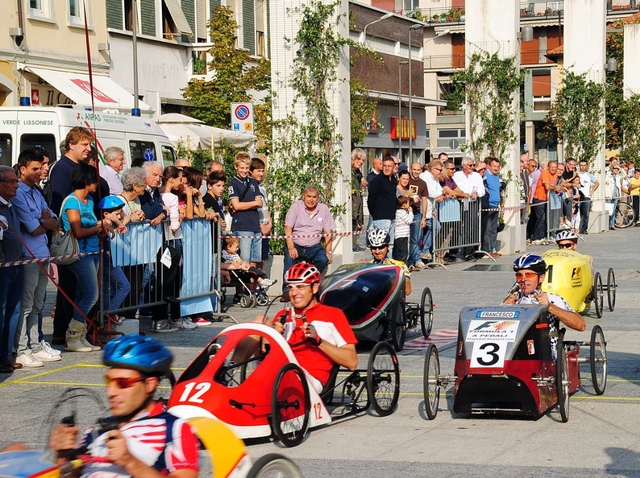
x=77 y=215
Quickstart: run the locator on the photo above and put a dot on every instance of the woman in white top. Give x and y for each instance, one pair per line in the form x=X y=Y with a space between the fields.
x=171 y=187
x=133 y=184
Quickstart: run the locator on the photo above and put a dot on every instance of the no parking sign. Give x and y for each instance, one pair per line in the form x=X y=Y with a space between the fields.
x=242 y=117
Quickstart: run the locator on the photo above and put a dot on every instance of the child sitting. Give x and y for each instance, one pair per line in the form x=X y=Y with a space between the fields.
x=231 y=257
x=402 y=227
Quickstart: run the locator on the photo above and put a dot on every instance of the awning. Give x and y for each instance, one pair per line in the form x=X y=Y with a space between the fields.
x=178 y=17
x=107 y=93
x=193 y=135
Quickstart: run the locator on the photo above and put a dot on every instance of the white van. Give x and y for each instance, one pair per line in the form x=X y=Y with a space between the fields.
x=23 y=127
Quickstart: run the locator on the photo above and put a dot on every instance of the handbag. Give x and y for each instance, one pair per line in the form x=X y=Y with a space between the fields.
x=64 y=243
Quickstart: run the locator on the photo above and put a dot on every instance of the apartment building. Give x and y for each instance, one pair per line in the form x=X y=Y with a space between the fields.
x=539 y=58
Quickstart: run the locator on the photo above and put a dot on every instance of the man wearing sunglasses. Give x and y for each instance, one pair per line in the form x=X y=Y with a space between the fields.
x=146 y=441
x=320 y=335
x=530 y=273
x=378 y=240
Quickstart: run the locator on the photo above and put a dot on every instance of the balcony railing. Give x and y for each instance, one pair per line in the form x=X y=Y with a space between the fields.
x=437 y=15
x=542 y=9
x=445 y=62
x=621 y=6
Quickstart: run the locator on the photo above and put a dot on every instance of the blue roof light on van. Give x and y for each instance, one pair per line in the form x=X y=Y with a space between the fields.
x=25 y=101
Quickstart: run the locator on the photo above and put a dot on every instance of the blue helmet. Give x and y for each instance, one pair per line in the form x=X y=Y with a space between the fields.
x=532 y=262
x=138 y=352
x=111 y=203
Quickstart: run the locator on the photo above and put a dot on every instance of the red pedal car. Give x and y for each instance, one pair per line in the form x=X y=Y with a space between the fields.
x=268 y=393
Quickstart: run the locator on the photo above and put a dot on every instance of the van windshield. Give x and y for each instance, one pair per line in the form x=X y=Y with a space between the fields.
x=44 y=141
x=6 y=142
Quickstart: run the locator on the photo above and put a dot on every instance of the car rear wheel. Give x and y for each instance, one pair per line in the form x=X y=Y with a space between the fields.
x=274 y=465
x=426 y=312
x=598 y=360
x=598 y=294
x=383 y=379
x=611 y=289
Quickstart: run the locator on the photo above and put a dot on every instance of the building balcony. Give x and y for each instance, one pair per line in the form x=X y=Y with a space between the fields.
x=455 y=61
x=437 y=15
x=540 y=10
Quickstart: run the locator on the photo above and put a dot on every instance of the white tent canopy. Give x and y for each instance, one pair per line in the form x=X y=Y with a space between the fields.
x=194 y=134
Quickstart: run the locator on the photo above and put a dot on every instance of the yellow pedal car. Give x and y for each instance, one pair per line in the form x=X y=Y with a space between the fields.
x=571 y=276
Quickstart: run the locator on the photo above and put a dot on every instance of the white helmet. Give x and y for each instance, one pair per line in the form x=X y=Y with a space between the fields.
x=378 y=238
x=566 y=235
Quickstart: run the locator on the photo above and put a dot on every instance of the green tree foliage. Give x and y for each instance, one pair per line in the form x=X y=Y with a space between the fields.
x=576 y=115
x=614 y=93
x=236 y=73
x=488 y=88
x=629 y=114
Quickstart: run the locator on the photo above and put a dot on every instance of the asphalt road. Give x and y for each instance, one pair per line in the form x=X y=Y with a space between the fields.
x=602 y=437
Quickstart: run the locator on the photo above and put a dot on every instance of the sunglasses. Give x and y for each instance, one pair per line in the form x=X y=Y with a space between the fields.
x=123 y=382
x=292 y=287
x=397 y=164
x=566 y=245
x=481 y=169
x=378 y=248
x=525 y=275
x=451 y=169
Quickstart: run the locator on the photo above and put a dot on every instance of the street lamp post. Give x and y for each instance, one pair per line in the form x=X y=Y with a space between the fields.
x=411 y=28
x=364 y=30
x=399 y=125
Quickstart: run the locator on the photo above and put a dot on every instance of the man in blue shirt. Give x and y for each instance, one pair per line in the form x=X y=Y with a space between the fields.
x=35 y=220
x=490 y=218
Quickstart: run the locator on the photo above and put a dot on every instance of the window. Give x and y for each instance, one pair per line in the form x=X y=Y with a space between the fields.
x=41 y=10
x=260 y=44
x=45 y=141
x=168 y=155
x=5 y=149
x=142 y=149
x=75 y=15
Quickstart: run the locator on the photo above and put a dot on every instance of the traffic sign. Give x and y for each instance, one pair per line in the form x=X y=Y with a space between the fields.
x=242 y=117
x=453 y=144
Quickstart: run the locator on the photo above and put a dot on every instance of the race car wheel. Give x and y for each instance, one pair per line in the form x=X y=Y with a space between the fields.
x=383 y=379
x=431 y=384
x=397 y=325
x=263 y=299
x=426 y=312
x=624 y=215
x=598 y=359
x=562 y=380
x=245 y=301
x=611 y=289
x=290 y=405
x=598 y=294
x=274 y=465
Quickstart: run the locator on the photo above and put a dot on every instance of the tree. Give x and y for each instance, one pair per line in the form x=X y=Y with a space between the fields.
x=576 y=114
x=614 y=94
x=236 y=73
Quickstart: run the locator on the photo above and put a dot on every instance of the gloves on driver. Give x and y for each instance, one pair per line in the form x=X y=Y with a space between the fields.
x=312 y=335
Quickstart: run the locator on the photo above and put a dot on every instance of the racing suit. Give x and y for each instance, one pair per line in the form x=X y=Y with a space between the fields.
x=158 y=439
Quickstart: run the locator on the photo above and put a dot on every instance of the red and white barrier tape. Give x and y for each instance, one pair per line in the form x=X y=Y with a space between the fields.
x=44 y=259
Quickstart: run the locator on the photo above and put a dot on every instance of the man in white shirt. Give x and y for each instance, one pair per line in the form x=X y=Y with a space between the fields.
x=114 y=157
x=434 y=196
x=469 y=182
x=588 y=185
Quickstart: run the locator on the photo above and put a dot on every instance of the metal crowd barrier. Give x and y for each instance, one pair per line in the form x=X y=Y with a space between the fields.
x=457 y=226
x=143 y=270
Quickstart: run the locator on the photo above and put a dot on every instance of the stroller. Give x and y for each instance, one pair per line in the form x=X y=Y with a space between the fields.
x=248 y=298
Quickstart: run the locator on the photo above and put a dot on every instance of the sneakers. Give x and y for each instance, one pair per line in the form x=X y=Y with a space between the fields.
x=184 y=323
x=426 y=255
x=200 y=321
x=48 y=348
x=266 y=283
x=41 y=354
x=162 y=326
x=28 y=360
x=538 y=242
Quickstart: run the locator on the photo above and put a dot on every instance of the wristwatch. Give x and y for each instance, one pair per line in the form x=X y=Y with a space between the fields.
x=41 y=221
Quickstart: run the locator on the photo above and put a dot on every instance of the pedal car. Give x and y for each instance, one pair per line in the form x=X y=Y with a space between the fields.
x=570 y=275
x=227 y=452
x=372 y=297
x=506 y=364
x=269 y=393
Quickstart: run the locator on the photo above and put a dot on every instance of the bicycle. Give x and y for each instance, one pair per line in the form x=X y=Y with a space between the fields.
x=625 y=215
